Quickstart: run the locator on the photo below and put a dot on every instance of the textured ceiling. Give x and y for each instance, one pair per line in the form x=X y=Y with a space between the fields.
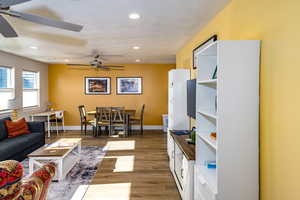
x=164 y=26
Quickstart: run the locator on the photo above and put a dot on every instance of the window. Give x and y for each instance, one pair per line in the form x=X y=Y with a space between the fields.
x=6 y=86
x=31 y=89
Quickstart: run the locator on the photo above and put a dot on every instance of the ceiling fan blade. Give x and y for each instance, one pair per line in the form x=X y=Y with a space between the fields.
x=112 y=66
x=80 y=68
x=7 y=3
x=45 y=21
x=110 y=69
x=111 y=55
x=78 y=65
x=116 y=69
x=6 y=29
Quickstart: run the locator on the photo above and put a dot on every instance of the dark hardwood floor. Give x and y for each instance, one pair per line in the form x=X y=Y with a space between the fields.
x=134 y=168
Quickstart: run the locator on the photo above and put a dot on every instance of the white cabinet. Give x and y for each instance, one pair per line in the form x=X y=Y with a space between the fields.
x=229 y=106
x=171 y=152
x=188 y=178
x=182 y=170
x=178 y=119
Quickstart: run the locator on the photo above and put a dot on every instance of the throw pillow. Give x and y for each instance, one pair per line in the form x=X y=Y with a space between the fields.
x=17 y=128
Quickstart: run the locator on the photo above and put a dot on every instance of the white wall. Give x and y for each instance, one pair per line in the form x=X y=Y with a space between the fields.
x=19 y=64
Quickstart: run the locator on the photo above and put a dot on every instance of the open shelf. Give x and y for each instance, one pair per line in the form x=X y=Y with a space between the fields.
x=207 y=114
x=208 y=176
x=209 y=81
x=210 y=50
x=207 y=139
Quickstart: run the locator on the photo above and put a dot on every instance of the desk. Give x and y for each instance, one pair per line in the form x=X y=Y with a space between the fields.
x=47 y=114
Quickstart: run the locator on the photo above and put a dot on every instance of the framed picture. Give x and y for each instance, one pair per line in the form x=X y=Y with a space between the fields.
x=129 y=85
x=97 y=85
x=200 y=47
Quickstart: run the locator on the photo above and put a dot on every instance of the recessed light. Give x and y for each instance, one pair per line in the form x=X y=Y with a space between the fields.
x=134 y=16
x=33 y=47
x=136 y=47
x=137 y=60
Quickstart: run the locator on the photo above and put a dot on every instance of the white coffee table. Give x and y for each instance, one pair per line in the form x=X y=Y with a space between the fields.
x=64 y=152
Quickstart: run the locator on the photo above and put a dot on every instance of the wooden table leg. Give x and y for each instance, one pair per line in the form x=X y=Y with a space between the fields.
x=48 y=119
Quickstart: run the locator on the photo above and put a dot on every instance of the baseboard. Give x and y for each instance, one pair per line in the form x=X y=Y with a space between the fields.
x=146 y=127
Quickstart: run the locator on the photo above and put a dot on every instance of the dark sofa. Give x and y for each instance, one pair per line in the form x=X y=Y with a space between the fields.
x=17 y=148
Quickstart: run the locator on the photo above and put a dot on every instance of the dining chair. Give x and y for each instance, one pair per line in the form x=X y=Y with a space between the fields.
x=138 y=120
x=58 y=118
x=118 y=120
x=103 y=119
x=84 y=122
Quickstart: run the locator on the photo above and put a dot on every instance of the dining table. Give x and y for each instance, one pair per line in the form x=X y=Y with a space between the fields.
x=128 y=114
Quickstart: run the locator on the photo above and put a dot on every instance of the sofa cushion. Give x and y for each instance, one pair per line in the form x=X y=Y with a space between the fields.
x=3 y=130
x=11 y=173
x=11 y=146
x=36 y=186
x=16 y=128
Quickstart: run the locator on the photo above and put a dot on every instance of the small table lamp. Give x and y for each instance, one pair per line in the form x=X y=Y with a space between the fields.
x=49 y=106
x=13 y=105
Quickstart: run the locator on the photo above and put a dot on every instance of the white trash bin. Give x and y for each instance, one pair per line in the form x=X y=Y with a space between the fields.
x=165 y=122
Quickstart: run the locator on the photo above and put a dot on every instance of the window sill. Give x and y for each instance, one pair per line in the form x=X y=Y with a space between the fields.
x=32 y=108
x=3 y=112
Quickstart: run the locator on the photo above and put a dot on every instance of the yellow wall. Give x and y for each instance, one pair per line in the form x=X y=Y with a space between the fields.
x=276 y=23
x=66 y=91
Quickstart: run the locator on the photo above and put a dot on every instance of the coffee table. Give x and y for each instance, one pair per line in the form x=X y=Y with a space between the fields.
x=64 y=152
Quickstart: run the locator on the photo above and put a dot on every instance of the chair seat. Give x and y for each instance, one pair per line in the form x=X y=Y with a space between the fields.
x=54 y=120
x=135 y=118
x=92 y=122
x=118 y=124
x=135 y=121
x=103 y=123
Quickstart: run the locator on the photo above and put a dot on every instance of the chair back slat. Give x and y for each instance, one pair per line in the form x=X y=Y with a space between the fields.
x=118 y=114
x=103 y=114
x=142 y=112
x=82 y=113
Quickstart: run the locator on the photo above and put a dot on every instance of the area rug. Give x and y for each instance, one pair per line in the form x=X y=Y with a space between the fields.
x=82 y=174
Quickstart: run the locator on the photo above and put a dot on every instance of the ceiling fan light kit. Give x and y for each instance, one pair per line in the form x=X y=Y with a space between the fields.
x=8 y=31
x=97 y=64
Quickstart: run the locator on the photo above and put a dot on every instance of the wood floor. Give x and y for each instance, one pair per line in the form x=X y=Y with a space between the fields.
x=134 y=168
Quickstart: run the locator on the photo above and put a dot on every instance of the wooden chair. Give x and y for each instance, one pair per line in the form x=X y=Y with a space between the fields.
x=58 y=119
x=103 y=119
x=138 y=120
x=84 y=122
x=118 y=120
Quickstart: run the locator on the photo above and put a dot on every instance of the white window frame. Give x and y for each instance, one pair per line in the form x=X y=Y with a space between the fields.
x=36 y=89
x=12 y=86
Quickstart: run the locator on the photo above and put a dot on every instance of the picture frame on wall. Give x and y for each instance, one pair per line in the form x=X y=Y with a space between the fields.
x=200 y=47
x=129 y=85
x=97 y=85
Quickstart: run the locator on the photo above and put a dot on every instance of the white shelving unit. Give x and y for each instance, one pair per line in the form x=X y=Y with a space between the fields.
x=177 y=103
x=181 y=167
x=229 y=106
x=178 y=119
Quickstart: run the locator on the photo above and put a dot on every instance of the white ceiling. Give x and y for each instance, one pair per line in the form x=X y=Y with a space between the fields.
x=164 y=27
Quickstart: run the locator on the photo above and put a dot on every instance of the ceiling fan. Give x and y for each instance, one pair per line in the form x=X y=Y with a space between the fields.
x=7 y=30
x=97 y=65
